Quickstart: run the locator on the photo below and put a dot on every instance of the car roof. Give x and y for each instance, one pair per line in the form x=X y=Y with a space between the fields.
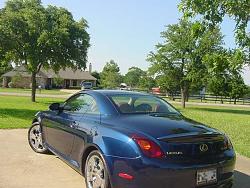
x=117 y=92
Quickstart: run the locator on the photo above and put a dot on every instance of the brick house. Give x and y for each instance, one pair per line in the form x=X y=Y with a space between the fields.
x=45 y=78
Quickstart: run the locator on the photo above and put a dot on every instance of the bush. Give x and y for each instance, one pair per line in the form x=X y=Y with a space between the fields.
x=17 y=80
x=10 y=84
x=58 y=81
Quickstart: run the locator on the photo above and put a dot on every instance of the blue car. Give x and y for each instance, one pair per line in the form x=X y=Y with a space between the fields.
x=124 y=139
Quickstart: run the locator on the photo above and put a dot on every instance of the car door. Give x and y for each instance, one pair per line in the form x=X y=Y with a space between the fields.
x=87 y=127
x=60 y=127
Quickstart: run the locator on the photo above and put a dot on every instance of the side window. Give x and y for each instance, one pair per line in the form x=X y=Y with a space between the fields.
x=82 y=103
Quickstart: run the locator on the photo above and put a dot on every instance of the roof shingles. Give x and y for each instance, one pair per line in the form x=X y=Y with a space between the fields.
x=65 y=74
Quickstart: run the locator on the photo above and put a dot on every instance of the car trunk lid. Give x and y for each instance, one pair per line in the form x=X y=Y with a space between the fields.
x=193 y=147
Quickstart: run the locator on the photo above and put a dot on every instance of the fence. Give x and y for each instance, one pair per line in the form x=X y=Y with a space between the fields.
x=206 y=98
x=211 y=98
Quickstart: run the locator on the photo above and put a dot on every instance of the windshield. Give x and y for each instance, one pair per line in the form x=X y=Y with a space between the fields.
x=141 y=104
x=87 y=84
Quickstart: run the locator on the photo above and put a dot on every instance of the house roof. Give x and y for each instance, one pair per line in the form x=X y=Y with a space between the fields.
x=69 y=74
x=22 y=71
x=65 y=74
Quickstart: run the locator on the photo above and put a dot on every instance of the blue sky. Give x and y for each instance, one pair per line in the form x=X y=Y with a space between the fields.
x=127 y=30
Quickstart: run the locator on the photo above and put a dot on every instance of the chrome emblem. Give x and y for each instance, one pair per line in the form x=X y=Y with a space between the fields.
x=203 y=147
x=174 y=153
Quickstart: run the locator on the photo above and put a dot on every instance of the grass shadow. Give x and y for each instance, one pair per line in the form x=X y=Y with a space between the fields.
x=241 y=180
x=17 y=113
x=49 y=102
x=221 y=110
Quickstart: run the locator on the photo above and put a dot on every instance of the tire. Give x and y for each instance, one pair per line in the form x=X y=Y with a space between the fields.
x=96 y=173
x=35 y=139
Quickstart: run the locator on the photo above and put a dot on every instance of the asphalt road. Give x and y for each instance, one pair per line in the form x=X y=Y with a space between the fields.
x=20 y=167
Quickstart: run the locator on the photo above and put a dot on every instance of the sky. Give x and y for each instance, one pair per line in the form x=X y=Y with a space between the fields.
x=127 y=30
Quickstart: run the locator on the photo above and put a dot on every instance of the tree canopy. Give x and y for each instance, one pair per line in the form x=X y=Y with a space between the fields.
x=110 y=75
x=179 y=58
x=133 y=76
x=5 y=67
x=97 y=76
x=35 y=36
x=147 y=82
x=214 y=11
x=224 y=73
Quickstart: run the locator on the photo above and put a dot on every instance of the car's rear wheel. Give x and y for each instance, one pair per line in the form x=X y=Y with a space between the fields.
x=96 y=174
x=35 y=138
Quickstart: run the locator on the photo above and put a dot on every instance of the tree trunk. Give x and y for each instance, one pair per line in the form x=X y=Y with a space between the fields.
x=183 y=97
x=221 y=100
x=186 y=96
x=235 y=100
x=33 y=87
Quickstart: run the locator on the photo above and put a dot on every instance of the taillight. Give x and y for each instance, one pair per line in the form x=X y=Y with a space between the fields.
x=148 y=147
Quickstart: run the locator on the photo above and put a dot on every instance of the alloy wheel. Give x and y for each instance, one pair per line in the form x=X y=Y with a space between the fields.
x=35 y=138
x=95 y=172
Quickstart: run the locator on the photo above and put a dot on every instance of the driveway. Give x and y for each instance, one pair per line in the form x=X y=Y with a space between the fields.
x=20 y=167
x=37 y=95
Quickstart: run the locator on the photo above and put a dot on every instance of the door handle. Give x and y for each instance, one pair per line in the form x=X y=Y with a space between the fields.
x=74 y=125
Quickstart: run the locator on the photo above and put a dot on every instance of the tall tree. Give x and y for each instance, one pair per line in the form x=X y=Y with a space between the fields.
x=133 y=76
x=110 y=75
x=224 y=73
x=237 y=86
x=34 y=36
x=147 y=82
x=217 y=79
x=247 y=92
x=97 y=76
x=213 y=12
x=179 y=57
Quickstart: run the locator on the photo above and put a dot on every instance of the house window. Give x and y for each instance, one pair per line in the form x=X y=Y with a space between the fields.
x=74 y=82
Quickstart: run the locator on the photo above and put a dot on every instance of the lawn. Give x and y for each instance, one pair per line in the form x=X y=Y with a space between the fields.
x=18 y=112
x=43 y=91
x=234 y=121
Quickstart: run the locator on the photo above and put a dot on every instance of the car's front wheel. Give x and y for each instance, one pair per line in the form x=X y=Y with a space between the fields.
x=35 y=139
x=96 y=174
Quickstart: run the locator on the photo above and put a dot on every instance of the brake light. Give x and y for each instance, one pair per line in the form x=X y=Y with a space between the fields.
x=148 y=147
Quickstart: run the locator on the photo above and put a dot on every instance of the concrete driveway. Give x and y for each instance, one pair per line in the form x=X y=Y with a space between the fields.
x=20 y=167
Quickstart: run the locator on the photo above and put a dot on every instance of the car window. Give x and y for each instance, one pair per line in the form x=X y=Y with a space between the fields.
x=136 y=104
x=145 y=104
x=119 y=99
x=82 y=103
x=87 y=84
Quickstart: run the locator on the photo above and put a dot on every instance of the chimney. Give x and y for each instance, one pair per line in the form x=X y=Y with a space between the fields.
x=90 y=67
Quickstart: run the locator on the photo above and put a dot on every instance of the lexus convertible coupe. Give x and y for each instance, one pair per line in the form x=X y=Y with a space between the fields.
x=124 y=139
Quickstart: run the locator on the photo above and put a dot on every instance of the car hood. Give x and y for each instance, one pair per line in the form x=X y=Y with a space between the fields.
x=161 y=127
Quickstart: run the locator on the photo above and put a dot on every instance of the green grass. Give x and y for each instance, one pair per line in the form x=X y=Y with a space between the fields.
x=43 y=91
x=18 y=112
x=234 y=121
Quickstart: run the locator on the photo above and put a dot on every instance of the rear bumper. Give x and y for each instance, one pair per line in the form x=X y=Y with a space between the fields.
x=158 y=174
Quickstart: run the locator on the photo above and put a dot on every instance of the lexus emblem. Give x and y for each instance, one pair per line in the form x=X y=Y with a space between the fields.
x=203 y=147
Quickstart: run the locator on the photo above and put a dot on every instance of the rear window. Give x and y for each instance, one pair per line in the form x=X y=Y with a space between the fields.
x=140 y=104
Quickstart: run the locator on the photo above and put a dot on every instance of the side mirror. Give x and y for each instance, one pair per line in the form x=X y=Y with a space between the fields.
x=67 y=108
x=55 y=106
